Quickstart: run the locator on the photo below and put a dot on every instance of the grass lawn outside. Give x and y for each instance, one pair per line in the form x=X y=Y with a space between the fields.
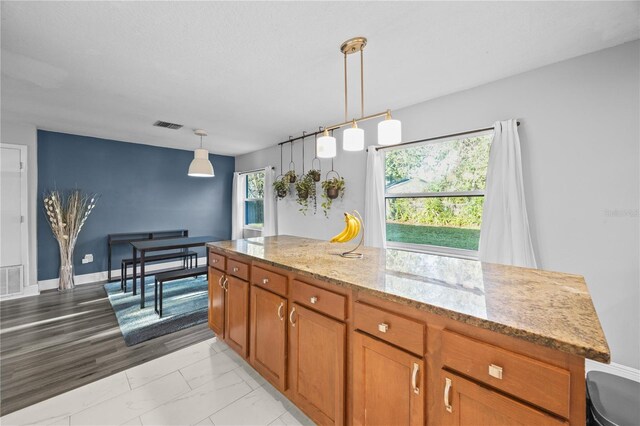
x=462 y=238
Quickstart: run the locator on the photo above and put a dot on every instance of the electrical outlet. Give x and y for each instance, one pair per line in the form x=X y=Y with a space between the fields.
x=88 y=258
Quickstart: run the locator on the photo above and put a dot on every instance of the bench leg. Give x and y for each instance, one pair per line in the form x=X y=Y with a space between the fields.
x=161 y=299
x=155 y=295
x=122 y=278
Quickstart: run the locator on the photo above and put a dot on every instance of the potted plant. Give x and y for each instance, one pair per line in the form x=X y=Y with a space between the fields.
x=291 y=176
x=315 y=175
x=331 y=189
x=281 y=187
x=306 y=190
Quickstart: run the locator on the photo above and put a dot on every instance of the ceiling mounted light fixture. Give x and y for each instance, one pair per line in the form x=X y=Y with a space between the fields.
x=200 y=165
x=326 y=145
x=353 y=138
x=389 y=131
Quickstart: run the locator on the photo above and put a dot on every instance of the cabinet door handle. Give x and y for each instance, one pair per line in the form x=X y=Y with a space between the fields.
x=447 y=390
x=414 y=379
x=293 y=324
x=235 y=269
x=313 y=300
x=280 y=313
x=220 y=281
x=226 y=284
x=265 y=281
x=495 y=371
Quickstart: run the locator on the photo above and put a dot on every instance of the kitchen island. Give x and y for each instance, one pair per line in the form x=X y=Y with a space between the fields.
x=405 y=338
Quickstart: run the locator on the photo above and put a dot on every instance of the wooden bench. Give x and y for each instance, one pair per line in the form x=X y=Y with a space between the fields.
x=182 y=254
x=163 y=277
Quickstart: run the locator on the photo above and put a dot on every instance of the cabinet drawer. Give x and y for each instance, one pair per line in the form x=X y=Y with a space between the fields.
x=238 y=269
x=270 y=280
x=539 y=383
x=319 y=299
x=217 y=261
x=400 y=331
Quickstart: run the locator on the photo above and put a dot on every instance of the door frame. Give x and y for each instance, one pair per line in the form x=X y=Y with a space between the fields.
x=24 y=212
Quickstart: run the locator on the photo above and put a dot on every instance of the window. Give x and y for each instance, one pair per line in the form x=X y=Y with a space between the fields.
x=434 y=194
x=254 y=200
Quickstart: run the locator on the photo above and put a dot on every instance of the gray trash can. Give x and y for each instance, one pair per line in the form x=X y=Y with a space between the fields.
x=612 y=400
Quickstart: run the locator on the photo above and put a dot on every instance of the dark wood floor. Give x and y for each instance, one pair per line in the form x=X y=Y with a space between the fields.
x=55 y=342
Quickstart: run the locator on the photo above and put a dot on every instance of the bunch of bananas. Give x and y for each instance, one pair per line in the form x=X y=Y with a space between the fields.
x=351 y=229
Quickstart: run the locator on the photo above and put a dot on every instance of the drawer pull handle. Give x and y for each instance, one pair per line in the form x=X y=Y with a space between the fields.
x=214 y=260
x=414 y=379
x=447 y=389
x=293 y=324
x=313 y=300
x=235 y=269
x=280 y=313
x=495 y=371
x=265 y=281
x=383 y=327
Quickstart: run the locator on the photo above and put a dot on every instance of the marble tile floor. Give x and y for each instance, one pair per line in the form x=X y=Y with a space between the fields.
x=203 y=384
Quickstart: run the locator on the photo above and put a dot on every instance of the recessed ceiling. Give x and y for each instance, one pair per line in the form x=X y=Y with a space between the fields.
x=252 y=73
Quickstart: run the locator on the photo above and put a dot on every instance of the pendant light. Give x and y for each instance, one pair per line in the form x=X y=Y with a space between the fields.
x=353 y=138
x=200 y=165
x=326 y=145
x=389 y=131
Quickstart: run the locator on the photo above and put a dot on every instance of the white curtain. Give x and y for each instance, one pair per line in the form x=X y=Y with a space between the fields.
x=504 y=233
x=237 y=206
x=375 y=234
x=269 y=227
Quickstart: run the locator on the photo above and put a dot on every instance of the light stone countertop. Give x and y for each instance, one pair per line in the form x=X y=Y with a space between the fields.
x=546 y=308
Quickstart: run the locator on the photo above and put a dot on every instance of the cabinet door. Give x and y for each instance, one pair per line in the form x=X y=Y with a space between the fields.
x=388 y=384
x=236 y=324
x=465 y=402
x=268 y=335
x=317 y=374
x=216 y=302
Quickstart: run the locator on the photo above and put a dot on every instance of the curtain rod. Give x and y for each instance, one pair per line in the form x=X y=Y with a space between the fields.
x=256 y=170
x=437 y=137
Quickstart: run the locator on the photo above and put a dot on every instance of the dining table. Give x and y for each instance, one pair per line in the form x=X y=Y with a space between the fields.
x=146 y=246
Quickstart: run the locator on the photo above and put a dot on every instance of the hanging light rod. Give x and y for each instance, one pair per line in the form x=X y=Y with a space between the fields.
x=336 y=126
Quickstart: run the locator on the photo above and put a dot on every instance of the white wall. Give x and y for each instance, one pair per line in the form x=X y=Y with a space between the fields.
x=580 y=146
x=26 y=134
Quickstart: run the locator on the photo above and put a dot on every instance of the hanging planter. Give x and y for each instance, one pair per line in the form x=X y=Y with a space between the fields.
x=281 y=187
x=332 y=188
x=290 y=176
x=306 y=191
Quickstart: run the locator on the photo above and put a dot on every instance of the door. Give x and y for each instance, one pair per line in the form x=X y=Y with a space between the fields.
x=317 y=352
x=464 y=402
x=13 y=245
x=236 y=324
x=268 y=335
x=216 y=302
x=388 y=384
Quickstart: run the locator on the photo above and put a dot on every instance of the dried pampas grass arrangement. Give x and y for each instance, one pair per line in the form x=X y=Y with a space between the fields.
x=66 y=217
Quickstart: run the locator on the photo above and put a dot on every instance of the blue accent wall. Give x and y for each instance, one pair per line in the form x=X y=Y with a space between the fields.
x=141 y=187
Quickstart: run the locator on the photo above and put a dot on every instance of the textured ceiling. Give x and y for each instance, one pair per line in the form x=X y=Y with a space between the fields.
x=252 y=73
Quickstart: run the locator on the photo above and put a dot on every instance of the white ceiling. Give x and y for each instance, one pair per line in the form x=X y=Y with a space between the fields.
x=252 y=73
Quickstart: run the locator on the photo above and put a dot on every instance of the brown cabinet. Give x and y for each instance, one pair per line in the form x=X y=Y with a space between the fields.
x=317 y=364
x=388 y=384
x=467 y=403
x=216 y=301
x=236 y=324
x=268 y=336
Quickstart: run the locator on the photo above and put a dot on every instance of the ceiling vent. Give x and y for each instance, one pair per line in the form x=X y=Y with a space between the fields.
x=167 y=125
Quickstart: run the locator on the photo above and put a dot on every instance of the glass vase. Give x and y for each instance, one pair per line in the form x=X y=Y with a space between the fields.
x=66 y=272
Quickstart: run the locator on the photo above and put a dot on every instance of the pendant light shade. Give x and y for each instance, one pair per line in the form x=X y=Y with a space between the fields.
x=389 y=131
x=326 y=146
x=353 y=138
x=200 y=165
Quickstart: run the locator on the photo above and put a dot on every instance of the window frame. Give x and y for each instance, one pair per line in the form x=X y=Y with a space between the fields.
x=429 y=248
x=245 y=199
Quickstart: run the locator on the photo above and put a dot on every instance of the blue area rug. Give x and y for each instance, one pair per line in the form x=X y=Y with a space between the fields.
x=184 y=305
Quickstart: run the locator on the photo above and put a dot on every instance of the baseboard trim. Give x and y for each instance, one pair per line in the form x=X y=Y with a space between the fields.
x=28 y=291
x=613 y=368
x=115 y=274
